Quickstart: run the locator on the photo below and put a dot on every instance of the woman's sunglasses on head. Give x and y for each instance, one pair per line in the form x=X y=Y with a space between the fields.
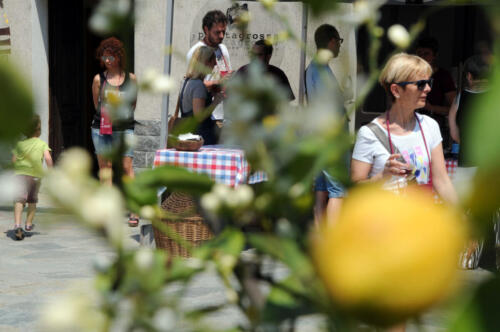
x=108 y=57
x=420 y=84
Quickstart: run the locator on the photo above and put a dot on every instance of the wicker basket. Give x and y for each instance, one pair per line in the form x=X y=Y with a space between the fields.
x=189 y=226
x=189 y=145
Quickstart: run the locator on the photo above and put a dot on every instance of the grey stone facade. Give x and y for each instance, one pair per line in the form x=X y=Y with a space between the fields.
x=147 y=134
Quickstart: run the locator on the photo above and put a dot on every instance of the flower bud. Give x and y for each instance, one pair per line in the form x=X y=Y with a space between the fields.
x=399 y=36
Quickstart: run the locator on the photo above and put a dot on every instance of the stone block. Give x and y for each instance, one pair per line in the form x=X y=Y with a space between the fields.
x=147 y=128
x=147 y=143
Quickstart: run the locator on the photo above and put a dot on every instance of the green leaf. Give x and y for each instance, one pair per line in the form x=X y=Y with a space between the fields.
x=144 y=188
x=282 y=302
x=320 y=7
x=179 y=270
x=16 y=103
x=231 y=242
x=285 y=250
x=484 y=139
x=480 y=314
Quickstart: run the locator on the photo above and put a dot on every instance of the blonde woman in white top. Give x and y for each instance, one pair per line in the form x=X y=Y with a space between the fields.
x=406 y=80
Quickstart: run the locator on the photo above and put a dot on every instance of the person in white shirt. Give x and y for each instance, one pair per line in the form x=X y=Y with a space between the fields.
x=408 y=142
x=214 y=26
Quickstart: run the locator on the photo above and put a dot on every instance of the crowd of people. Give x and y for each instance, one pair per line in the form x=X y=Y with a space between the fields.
x=405 y=143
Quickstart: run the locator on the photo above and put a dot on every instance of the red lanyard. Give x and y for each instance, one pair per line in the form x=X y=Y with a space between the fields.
x=423 y=137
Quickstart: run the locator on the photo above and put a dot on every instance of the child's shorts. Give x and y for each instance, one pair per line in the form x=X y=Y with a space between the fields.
x=29 y=191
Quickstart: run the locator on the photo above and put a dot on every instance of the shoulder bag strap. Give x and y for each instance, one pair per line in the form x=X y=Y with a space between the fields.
x=179 y=101
x=382 y=137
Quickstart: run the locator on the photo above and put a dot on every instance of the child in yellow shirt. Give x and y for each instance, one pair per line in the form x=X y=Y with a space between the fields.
x=28 y=156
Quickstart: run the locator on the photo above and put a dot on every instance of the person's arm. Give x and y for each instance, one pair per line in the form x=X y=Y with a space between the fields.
x=360 y=169
x=440 y=179
x=201 y=111
x=452 y=121
x=48 y=158
x=133 y=78
x=96 y=86
x=443 y=110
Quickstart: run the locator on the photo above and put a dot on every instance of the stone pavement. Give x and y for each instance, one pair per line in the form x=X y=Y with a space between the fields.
x=59 y=252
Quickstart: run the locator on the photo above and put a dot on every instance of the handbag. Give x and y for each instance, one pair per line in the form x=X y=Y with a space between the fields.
x=174 y=120
x=105 y=125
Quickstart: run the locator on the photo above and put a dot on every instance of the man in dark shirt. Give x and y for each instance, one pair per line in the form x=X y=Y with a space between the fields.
x=443 y=90
x=262 y=52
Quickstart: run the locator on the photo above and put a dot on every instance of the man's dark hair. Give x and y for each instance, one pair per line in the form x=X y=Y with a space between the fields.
x=324 y=34
x=213 y=17
x=268 y=48
x=428 y=42
x=477 y=66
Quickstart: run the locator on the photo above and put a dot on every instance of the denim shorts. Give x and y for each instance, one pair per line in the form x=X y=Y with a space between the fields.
x=105 y=143
x=325 y=182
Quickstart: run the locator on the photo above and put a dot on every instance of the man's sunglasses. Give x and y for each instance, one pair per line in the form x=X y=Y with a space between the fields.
x=420 y=84
x=107 y=57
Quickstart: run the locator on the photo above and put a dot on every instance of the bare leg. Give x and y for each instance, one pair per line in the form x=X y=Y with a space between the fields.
x=128 y=169
x=105 y=170
x=320 y=206
x=18 y=212
x=333 y=209
x=128 y=166
x=31 y=214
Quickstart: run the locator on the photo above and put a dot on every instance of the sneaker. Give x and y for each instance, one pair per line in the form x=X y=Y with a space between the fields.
x=29 y=228
x=19 y=233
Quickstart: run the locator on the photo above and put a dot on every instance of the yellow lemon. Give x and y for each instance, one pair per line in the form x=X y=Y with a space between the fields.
x=389 y=257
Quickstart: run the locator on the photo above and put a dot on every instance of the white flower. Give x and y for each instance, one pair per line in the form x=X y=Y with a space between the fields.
x=399 y=36
x=10 y=187
x=102 y=262
x=324 y=56
x=296 y=190
x=75 y=310
x=157 y=82
x=106 y=174
x=64 y=190
x=149 y=76
x=244 y=195
x=100 y=23
x=227 y=262
x=75 y=162
x=148 y=212
x=231 y=296
x=210 y=202
x=144 y=258
x=221 y=190
x=105 y=208
x=165 y=319
x=231 y=200
x=163 y=84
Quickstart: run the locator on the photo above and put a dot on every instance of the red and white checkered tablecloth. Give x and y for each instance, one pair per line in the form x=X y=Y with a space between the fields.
x=223 y=165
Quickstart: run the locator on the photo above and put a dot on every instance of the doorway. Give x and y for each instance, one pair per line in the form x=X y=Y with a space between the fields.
x=72 y=67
